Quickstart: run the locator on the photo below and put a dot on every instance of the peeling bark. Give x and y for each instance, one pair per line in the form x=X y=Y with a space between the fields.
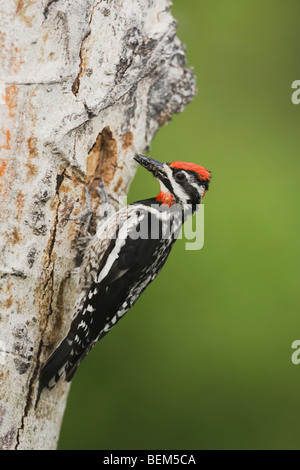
x=83 y=87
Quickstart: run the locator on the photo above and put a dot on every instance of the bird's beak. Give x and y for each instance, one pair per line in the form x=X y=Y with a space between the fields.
x=150 y=164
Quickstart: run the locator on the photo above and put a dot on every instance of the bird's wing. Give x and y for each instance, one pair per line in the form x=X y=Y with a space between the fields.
x=125 y=271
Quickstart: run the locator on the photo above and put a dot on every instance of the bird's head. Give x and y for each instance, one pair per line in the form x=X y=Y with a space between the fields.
x=180 y=182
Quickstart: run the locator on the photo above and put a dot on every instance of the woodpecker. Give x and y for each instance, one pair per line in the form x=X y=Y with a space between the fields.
x=125 y=255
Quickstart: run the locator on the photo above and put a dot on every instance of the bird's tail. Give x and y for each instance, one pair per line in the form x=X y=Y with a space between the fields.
x=54 y=367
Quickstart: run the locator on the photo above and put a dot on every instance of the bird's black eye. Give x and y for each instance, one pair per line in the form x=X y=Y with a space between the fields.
x=180 y=177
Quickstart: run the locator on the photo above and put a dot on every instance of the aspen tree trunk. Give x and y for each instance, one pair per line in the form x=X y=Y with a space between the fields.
x=84 y=85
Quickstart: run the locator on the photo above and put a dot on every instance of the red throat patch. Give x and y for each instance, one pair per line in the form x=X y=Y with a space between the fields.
x=204 y=175
x=165 y=198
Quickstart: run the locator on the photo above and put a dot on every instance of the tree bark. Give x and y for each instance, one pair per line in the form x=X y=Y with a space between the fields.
x=84 y=85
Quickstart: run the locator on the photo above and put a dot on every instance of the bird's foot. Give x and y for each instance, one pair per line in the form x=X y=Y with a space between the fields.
x=104 y=210
x=84 y=216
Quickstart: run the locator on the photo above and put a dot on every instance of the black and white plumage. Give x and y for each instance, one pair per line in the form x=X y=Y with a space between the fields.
x=124 y=256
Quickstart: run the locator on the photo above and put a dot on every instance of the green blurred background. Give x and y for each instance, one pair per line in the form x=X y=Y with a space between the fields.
x=203 y=360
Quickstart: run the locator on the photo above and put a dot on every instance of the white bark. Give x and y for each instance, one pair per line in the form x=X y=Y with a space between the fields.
x=84 y=85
